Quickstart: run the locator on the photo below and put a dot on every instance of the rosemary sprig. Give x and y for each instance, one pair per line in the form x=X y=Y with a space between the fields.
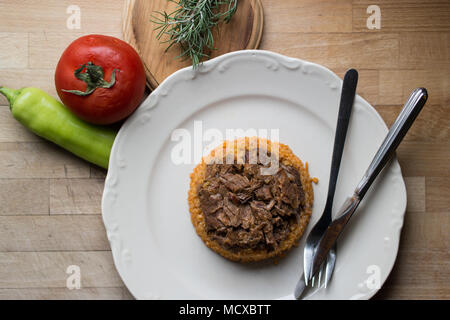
x=191 y=24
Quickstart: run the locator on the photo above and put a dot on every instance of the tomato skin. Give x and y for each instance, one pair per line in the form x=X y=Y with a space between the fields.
x=103 y=106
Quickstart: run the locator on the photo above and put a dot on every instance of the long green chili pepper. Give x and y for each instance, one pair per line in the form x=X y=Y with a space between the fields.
x=50 y=119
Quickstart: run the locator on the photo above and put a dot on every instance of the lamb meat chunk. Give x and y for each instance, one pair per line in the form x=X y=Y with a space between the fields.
x=247 y=217
x=223 y=218
x=244 y=196
x=234 y=182
x=281 y=232
x=212 y=223
x=212 y=185
x=270 y=205
x=293 y=195
x=251 y=170
x=210 y=203
x=260 y=211
x=256 y=235
x=263 y=193
x=232 y=211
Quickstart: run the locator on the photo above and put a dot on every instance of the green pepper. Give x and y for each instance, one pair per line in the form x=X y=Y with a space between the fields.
x=50 y=119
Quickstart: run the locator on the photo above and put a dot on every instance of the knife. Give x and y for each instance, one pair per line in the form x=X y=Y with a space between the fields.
x=405 y=119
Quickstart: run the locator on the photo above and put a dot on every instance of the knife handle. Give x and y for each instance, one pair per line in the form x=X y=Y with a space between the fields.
x=345 y=110
x=405 y=119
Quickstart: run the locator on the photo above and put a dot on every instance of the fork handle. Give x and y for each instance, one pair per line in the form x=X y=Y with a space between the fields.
x=345 y=109
x=405 y=119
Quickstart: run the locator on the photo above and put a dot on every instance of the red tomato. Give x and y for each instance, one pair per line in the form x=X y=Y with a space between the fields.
x=95 y=97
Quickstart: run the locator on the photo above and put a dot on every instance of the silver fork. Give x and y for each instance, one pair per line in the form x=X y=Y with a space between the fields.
x=346 y=103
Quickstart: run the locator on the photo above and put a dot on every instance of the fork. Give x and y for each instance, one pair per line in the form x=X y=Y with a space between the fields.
x=346 y=103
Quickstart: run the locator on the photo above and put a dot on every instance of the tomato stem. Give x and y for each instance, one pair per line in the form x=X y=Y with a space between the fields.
x=93 y=77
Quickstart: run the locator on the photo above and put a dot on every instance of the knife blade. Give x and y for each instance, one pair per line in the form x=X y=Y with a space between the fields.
x=333 y=231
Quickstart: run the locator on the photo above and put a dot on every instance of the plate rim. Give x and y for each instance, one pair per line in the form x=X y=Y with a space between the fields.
x=119 y=253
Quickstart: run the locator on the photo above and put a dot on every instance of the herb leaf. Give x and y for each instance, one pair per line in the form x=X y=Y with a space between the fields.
x=190 y=26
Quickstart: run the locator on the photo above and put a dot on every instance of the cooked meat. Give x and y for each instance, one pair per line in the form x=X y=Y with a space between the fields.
x=244 y=209
x=234 y=182
x=263 y=193
x=248 y=219
x=210 y=202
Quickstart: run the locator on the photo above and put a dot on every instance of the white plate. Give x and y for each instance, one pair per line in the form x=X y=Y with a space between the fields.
x=145 y=209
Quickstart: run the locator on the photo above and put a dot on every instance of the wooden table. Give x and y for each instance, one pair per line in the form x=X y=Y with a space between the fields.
x=50 y=200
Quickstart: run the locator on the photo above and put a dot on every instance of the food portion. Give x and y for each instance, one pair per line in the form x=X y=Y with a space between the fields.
x=244 y=214
x=101 y=79
x=244 y=209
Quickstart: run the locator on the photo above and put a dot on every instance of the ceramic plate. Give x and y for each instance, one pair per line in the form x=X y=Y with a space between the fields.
x=145 y=209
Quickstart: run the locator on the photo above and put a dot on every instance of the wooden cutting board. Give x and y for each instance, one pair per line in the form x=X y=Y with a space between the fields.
x=243 y=32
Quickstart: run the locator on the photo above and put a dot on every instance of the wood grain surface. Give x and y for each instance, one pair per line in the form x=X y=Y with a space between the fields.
x=243 y=32
x=50 y=200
